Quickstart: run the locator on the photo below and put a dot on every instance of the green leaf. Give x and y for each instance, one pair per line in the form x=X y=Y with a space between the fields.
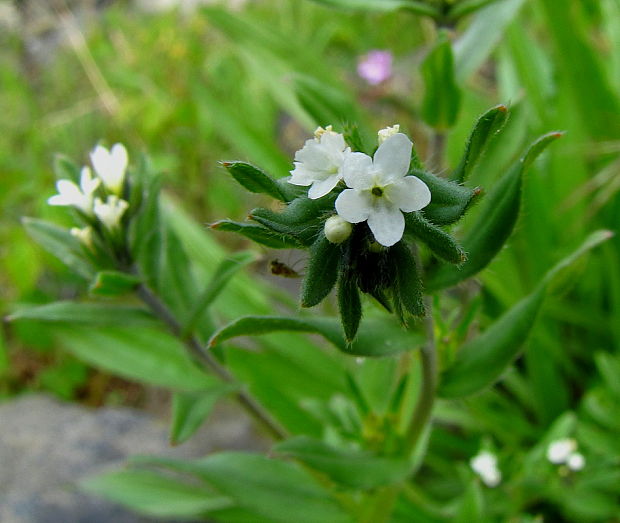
x=259 y=234
x=421 y=8
x=465 y=7
x=60 y=243
x=437 y=240
x=408 y=288
x=300 y=219
x=351 y=468
x=471 y=505
x=487 y=126
x=484 y=32
x=481 y=361
x=154 y=494
x=268 y=489
x=257 y=181
x=220 y=278
x=442 y=97
x=96 y=314
x=64 y=168
x=449 y=200
x=146 y=355
x=113 y=283
x=321 y=273
x=494 y=224
x=349 y=304
x=191 y=409
x=376 y=337
x=325 y=103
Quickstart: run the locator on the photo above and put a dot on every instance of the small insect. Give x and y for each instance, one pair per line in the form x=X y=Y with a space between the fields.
x=281 y=269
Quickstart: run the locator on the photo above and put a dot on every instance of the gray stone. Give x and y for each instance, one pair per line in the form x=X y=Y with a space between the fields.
x=46 y=446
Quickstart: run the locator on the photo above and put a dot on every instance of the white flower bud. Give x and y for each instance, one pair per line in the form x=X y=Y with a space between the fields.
x=337 y=230
x=110 y=212
x=576 y=461
x=85 y=235
x=484 y=464
x=384 y=134
x=320 y=131
x=559 y=450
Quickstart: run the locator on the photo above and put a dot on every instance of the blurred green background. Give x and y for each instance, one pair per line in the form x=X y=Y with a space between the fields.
x=251 y=82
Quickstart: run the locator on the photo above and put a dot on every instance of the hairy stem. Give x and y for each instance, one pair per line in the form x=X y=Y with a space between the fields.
x=207 y=360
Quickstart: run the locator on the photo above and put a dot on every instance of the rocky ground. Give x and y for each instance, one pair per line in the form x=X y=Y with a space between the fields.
x=46 y=447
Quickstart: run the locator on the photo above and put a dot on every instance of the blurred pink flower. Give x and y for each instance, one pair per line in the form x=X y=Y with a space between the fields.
x=375 y=66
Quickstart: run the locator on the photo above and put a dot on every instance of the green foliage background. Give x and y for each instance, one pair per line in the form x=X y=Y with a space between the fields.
x=193 y=91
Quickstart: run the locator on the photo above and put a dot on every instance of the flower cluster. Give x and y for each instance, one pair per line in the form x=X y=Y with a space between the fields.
x=110 y=168
x=484 y=464
x=359 y=210
x=378 y=189
x=564 y=452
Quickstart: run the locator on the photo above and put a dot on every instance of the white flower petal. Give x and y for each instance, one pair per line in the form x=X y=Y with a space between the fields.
x=333 y=141
x=301 y=175
x=559 y=450
x=322 y=187
x=357 y=171
x=387 y=224
x=410 y=194
x=394 y=156
x=313 y=156
x=353 y=206
x=119 y=157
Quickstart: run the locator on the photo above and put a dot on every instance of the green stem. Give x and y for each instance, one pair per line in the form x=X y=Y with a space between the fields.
x=437 y=148
x=426 y=399
x=207 y=360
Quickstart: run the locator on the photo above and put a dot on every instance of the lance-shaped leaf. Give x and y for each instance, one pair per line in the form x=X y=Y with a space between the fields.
x=493 y=225
x=449 y=200
x=408 y=288
x=376 y=337
x=437 y=240
x=147 y=355
x=300 y=218
x=263 y=489
x=155 y=494
x=321 y=273
x=113 y=283
x=259 y=234
x=326 y=104
x=483 y=360
x=191 y=409
x=221 y=276
x=257 y=181
x=351 y=468
x=64 y=168
x=442 y=97
x=71 y=312
x=60 y=243
x=421 y=8
x=349 y=304
x=465 y=7
x=487 y=126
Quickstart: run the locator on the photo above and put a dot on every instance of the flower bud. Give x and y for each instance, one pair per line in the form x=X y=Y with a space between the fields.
x=384 y=134
x=85 y=235
x=320 y=131
x=337 y=229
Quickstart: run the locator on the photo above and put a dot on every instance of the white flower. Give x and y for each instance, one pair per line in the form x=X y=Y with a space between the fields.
x=319 y=162
x=380 y=190
x=110 y=166
x=110 y=213
x=485 y=465
x=336 y=229
x=576 y=461
x=84 y=235
x=70 y=194
x=559 y=450
x=384 y=134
